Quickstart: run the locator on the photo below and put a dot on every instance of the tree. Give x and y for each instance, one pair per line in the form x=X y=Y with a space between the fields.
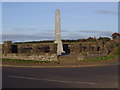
x=115 y=35
x=104 y=38
x=91 y=39
x=82 y=40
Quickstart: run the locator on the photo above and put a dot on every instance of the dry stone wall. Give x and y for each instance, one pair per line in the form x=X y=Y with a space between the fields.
x=40 y=57
x=48 y=51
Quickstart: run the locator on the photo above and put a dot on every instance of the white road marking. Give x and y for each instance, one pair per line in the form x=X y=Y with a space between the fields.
x=52 y=80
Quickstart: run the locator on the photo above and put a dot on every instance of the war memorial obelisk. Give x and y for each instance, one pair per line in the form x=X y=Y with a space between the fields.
x=58 y=34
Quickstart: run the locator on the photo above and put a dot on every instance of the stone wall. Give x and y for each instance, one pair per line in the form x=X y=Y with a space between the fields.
x=39 y=57
x=29 y=51
x=48 y=51
x=28 y=48
x=7 y=47
x=89 y=48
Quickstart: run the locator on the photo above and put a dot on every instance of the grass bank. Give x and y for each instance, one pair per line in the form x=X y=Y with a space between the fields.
x=26 y=61
x=102 y=58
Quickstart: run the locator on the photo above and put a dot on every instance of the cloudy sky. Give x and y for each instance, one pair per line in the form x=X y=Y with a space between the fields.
x=28 y=21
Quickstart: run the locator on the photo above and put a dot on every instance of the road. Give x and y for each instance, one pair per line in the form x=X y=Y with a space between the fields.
x=79 y=77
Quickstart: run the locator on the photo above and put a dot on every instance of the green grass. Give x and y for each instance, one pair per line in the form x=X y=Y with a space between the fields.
x=115 y=54
x=26 y=61
x=102 y=58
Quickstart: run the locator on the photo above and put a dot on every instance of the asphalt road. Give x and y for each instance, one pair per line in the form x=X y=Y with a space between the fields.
x=80 y=77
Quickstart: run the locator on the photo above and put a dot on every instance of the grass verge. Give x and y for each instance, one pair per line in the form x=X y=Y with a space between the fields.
x=25 y=61
x=102 y=58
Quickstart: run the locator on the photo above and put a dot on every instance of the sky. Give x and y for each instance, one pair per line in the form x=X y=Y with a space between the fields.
x=34 y=21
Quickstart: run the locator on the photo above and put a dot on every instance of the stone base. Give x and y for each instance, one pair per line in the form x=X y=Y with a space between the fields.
x=59 y=47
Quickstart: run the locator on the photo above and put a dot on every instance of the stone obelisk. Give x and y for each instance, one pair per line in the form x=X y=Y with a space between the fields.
x=58 y=34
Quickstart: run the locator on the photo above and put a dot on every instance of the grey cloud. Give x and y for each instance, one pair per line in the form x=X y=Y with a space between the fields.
x=24 y=29
x=37 y=29
x=74 y=36
x=25 y=37
x=105 y=34
x=86 y=34
x=98 y=33
x=45 y=34
x=90 y=32
x=106 y=12
x=86 y=31
x=95 y=31
x=51 y=36
x=33 y=29
x=62 y=30
x=65 y=30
